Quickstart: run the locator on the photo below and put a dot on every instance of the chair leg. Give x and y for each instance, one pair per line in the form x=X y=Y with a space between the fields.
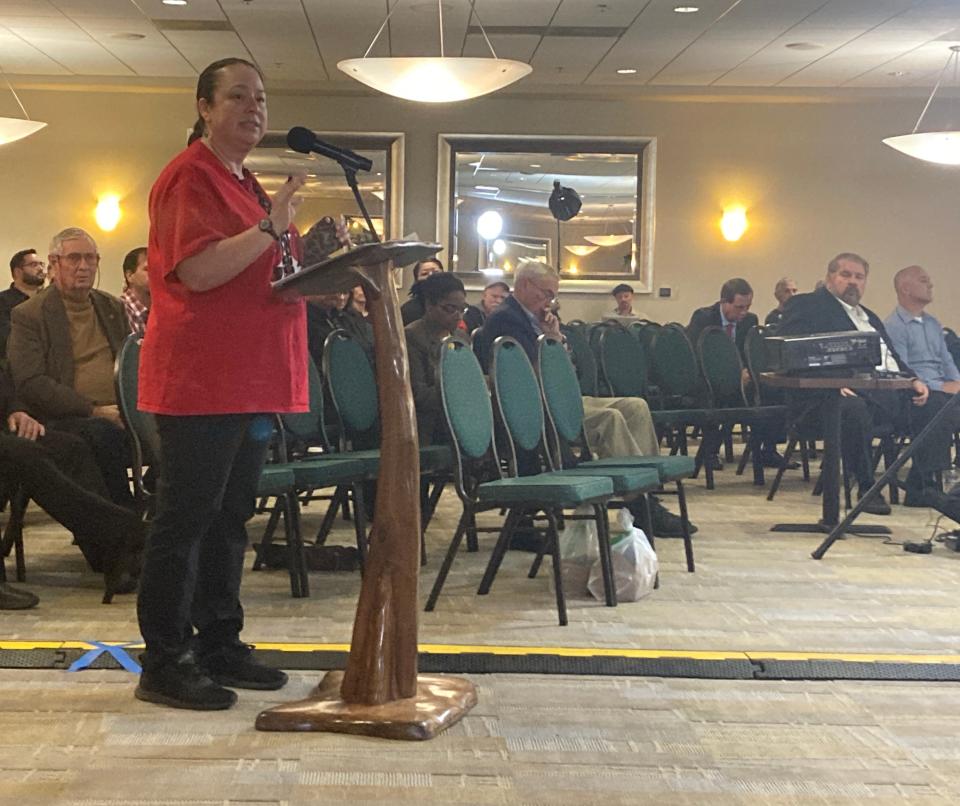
x=606 y=560
x=499 y=550
x=299 y=581
x=745 y=457
x=473 y=544
x=553 y=535
x=648 y=530
x=728 y=444
x=465 y=518
x=685 y=526
x=268 y=532
x=360 y=525
x=782 y=469
x=754 y=447
x=805 y=454
x=336 y=501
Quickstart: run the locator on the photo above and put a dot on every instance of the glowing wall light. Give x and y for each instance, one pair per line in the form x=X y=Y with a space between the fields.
x=734 y=222
x=108 y=213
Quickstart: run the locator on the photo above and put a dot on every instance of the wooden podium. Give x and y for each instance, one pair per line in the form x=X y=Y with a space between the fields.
x=380 y=693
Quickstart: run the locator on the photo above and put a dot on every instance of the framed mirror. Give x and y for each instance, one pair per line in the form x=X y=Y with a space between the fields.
x=326 y=193
x=492 y=208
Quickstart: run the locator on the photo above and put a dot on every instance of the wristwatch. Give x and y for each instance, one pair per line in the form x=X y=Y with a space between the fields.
x=266 y=225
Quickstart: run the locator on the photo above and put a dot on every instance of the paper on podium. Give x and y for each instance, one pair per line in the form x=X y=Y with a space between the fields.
x=343 y=271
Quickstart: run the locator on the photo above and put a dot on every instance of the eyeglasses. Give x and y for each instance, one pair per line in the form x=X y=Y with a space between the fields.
x=74 y=258
x=451 y=309
x=34 y=264
x=548 y=293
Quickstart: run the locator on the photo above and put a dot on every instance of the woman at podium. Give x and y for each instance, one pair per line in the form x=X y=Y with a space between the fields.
x=221 y=355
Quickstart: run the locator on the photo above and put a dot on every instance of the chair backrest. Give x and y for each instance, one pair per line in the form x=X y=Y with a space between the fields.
x=141 y=425
x=953 y=344
x=646 y=332
x=469 y=414
x=674 y=363
x=624 y=363
x=561 y=393
x=517 y=395
x=353 y=387
x=722 y=369
x=758 y=358
x=309 y=426
x=586 y=364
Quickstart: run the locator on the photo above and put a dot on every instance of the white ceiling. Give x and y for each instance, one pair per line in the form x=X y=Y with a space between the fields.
x=727 y=43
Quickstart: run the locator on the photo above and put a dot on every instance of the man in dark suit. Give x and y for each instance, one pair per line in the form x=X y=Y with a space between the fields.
x=61 y=351
x=732 y=313
x=836 y=308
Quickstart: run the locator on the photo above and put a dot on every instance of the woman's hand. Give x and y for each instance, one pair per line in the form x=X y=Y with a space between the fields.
x=285 y=203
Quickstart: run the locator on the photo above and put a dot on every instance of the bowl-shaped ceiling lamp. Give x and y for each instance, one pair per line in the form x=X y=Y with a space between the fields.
x=581 y=249
x=608 y=240
x=13 y=129
x=434 y=79
x=940 y=147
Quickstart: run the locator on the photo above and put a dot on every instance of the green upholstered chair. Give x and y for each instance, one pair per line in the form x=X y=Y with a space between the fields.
x=564 y=409
x=482 y=485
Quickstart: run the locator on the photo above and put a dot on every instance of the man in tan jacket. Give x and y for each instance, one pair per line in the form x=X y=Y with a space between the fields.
x=61 y=351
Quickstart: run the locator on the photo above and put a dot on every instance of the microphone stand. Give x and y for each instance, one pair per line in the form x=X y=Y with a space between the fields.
x=351 y=176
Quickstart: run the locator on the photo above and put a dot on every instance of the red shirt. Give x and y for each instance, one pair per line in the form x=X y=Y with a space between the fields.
x=235 y=348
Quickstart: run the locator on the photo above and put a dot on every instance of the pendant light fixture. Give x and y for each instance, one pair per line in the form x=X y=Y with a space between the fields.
x=581 y=249
x=12 y=129
x=608 y=240
x=942 y=147
x=434 y=79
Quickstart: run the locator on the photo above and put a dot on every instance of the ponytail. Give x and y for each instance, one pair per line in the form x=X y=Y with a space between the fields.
x=197 y=132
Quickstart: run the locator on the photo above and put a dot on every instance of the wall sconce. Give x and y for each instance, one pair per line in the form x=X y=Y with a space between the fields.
x=734 y=222
x=108 y=212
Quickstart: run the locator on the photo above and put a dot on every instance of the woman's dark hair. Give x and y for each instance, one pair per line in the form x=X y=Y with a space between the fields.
x=207 y=85
x=430 y=290
x=419 y=263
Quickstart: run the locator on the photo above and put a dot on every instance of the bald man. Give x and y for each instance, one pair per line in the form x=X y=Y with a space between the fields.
x=917 y=336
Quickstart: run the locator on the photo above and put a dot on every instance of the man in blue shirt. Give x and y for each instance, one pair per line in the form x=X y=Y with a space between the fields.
x=917 y=337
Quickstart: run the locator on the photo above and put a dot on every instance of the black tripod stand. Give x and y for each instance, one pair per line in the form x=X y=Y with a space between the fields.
x=885 y=479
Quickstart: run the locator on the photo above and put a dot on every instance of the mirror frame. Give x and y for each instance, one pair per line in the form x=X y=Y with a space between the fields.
x=646 y=147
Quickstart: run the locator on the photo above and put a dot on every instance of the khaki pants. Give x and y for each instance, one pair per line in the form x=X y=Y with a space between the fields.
x=619 y=426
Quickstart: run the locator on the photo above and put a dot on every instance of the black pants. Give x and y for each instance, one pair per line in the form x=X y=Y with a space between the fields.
x=860 y=416
x=110 y=446
x=59 y=473
x=209 y=469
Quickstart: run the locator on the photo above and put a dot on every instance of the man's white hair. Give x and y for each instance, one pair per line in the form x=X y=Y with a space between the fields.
x=68 y=234
x=529 y=269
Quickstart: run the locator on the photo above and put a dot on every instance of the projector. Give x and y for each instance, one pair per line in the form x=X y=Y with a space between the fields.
x=823 y=353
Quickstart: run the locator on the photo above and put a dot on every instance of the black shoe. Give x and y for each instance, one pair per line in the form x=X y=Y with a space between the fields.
x=665 y=523
x=181 y=684
x=123 y=568
x=948 y=505
x=714 y=462
x=774 y=459
x=14 y=599
x=876 y=506
x=234 y=667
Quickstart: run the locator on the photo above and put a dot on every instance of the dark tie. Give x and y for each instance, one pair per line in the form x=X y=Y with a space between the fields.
x=729 y=328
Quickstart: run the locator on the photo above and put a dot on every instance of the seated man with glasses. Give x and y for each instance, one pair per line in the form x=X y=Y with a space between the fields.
x=614 y=426
x=61 y=351
x=28 y=276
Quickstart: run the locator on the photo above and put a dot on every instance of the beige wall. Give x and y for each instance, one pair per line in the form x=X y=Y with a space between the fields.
x=813 y=174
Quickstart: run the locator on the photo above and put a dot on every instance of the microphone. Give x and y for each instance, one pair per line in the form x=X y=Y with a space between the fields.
x=303 y=140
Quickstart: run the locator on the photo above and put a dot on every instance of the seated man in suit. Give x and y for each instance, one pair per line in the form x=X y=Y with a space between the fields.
x=732 y=313
x=614 y=426
x=62 y=347
x=836 y=308
x=917 y=337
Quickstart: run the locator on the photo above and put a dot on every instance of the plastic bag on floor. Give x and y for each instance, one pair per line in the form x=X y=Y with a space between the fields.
x=635 y=564
x=578 y=551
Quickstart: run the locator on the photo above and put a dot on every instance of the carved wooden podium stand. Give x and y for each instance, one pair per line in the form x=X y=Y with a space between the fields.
x=380 y=693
